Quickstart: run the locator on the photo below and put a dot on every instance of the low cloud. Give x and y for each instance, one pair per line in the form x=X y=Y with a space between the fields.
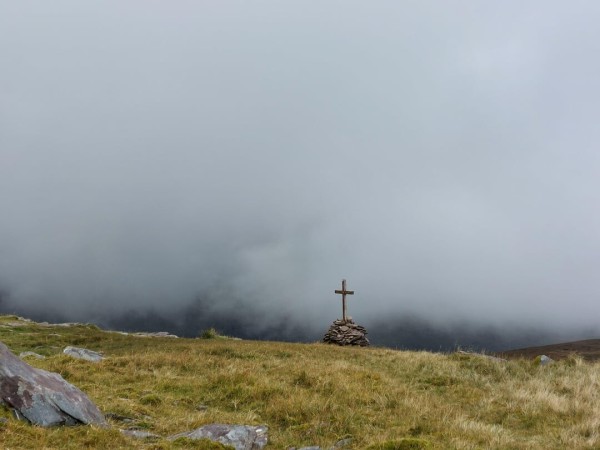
x=229 y=164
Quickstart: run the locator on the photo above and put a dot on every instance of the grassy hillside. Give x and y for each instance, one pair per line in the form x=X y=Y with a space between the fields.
x=309 y=394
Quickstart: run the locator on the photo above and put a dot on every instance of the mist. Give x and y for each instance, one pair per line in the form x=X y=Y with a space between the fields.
x=188 y=164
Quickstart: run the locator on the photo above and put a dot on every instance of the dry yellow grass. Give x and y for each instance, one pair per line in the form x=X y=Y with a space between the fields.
x=310 y=394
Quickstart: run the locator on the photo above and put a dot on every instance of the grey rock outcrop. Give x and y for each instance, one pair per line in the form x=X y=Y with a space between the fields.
x=64 y=324
x=83 y=353
x=155 y=334
x=241 y=437
x=41 y=397
x=346 y=333
x=32 y=354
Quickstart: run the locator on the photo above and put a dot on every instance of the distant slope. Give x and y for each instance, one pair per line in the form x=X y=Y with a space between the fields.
x=588 y=349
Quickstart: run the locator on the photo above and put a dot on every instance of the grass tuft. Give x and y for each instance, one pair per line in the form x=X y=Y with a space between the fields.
x=209 y=333
x=150 y=399
x=199 y=444
x=401 y=444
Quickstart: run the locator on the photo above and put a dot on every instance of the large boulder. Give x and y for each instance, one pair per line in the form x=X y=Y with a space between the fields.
x=41 y=397
x=241 y=437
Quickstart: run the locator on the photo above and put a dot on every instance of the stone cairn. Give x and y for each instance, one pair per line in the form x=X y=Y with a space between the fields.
x=346 y=333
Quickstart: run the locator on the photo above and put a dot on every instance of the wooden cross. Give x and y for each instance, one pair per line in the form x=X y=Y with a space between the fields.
x=344 y=292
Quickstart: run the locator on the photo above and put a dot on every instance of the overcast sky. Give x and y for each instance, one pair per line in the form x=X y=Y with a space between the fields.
x=443 y=156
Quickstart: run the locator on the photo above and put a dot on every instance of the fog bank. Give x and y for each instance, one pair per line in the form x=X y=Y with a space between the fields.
x=441 y=157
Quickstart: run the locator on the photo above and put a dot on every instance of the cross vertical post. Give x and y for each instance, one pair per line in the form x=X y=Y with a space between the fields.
x=344 y=292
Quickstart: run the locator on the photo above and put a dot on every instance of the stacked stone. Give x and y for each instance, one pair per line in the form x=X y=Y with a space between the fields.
x=346 y=333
